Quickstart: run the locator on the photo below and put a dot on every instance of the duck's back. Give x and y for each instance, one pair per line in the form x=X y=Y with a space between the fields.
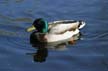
x=58 y=27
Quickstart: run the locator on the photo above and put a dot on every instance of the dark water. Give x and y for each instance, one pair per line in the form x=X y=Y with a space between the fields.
x=90 y=54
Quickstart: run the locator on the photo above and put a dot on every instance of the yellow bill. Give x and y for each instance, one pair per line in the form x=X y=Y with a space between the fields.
x=31 y=29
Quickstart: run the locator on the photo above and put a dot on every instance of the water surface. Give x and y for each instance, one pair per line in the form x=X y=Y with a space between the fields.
x=90 y=54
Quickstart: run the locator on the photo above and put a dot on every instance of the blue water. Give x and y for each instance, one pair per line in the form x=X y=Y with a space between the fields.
x=89 y=54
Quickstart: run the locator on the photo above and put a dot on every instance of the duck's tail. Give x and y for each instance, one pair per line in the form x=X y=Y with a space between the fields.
x=81 y=24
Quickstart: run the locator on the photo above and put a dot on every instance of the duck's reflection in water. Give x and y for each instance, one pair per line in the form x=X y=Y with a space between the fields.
x=40 y=55
x=42 y=52
x=41 y=46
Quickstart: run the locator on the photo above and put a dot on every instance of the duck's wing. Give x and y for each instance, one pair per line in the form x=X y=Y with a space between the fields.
x=62 y=28
x=79 y=24
x=52 y=24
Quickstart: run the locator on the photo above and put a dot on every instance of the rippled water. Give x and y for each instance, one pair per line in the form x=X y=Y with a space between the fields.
x=89 y=54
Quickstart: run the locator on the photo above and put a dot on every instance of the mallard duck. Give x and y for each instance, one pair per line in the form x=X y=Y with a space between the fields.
x=55 y=33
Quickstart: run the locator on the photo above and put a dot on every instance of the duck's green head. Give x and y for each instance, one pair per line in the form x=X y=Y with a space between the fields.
x=39 y=25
